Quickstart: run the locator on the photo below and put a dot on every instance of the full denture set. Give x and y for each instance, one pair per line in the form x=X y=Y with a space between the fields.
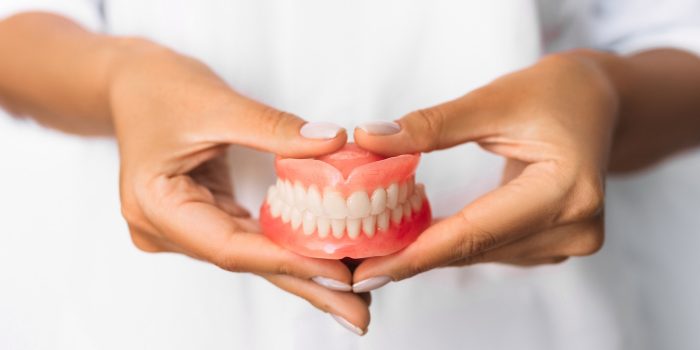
x=351 y=203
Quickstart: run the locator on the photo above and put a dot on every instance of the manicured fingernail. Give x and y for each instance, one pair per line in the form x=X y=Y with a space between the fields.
x=370 y=284
x=332 y=284
x=320 y=130
x=380 y=128
x=349 y=326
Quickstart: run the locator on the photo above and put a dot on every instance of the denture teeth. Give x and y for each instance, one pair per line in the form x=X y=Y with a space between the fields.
x=338 y=226
x=353 y=227
x=410 y=186
x=392 y=195
x=334 y=205
x=271 y=194
x=324 y=226
x=314 y=200
x=369 y=224
x=396 y=215
x=295 y=218
x=299 y=196
x=286 y=213
x=358 y=205
x=416 y=202
x=276 y=208
x=288 y=193
x=308 y=223
x=383 y=221
x=403 y=192
x=406 y=210
x=378 y=201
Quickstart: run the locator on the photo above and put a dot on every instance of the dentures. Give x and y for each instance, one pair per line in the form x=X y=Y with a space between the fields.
x=351 y=203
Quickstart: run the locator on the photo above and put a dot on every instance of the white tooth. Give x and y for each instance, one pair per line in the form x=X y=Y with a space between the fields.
x=271 y=194
x=406 y=211
x=309 y=223
x=288 y=192
x=392 y=195
x=324 y=226
x=280 y=187
x=338 y=226
x=286 y=212
x=358 y=204
x=396 y=215
x=369 y=224
x=299 y=196
x=410 y=186
x=378 y=201
x=296 y=218
x=276 y=208
x=403 y=192
x=314 y=201
x=416 y=202
x=354 y=228
x=383 y=220
x=334 y=205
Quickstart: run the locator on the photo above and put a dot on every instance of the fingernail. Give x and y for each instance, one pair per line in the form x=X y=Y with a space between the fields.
x=380 y=128
x=320 y=130
x=349 y=326
x=332 y=284
x=370 y=284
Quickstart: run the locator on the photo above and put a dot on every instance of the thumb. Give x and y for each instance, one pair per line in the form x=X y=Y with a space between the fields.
x=253 y=124
x=438 y=127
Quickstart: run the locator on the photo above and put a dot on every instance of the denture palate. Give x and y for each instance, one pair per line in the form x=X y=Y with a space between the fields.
x=327 y=211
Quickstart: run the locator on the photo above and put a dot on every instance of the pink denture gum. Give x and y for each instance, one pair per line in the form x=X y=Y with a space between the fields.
x=351 y=203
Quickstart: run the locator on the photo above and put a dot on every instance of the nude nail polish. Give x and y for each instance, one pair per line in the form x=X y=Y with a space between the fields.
x=370 y=284
x=332 y=284
x=380 y=128
x=347 y=325
x=320 y=130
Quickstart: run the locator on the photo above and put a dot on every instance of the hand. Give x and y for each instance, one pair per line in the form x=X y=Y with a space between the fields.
x=174 y=120
x=553 y=122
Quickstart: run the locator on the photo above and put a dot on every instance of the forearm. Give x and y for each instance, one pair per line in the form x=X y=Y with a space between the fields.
x=659 y=109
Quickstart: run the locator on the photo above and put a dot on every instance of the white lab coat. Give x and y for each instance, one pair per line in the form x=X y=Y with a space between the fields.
x=71 y=279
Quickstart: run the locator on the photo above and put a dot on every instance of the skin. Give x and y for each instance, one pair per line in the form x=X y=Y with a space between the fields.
x=560 y=124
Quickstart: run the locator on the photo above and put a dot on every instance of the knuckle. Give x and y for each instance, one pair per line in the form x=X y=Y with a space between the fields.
x=588 y=242
x=587 y=200
x=142 y=243
x=431 y=120
x=275 y=121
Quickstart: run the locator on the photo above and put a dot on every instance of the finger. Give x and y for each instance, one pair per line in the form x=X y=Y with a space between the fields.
x=353 y=308
x=255 y=125
x=537 y=262
x=527 y=204
x=186 y=214
x=434 y=128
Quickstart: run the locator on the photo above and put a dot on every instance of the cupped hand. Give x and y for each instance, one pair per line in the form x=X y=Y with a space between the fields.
x=553 y=122
x=174 y=120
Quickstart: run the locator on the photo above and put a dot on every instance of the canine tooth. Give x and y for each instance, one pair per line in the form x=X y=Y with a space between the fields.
x=353 y=226
x=396 y=215
x=338 y=226
x=276 y=208
x=324 y=226
x=296 y=218
x=369 y=224
x=286 y=212
x=334 y=205
x=416 y=202
x=403 y=192
x=406 y=210
x=314 y=200
x=378 y=201
x=358 y=204
x=383 y=220
x=288 y=192
x=271 y=194
x=392 y=195
x=308 y=223
x=299 y=196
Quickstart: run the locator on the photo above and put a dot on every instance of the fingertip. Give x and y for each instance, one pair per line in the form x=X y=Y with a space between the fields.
x=385 y=144
x=315 y=139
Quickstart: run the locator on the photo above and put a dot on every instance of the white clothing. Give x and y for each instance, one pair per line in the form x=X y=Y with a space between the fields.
x=71 y=279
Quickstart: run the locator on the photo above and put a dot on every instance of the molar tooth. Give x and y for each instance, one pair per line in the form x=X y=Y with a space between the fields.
x=353 y=226
x=276 y=207
x=334 y=205
x=338 y=226
x=288 y=192
x=296 y=218
x=308 y=223
x=299 y=196
x=383 y=220
x=358 y=204
x=369 y=224
x=314 y=200
x=378 y=201
x=286 y=212
x=416 y=202
x=396 y=215
x=271 y=194
x=410 y=186
x=407 y=210
x=403 y=192
x=324 y=226
x=392 y=195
